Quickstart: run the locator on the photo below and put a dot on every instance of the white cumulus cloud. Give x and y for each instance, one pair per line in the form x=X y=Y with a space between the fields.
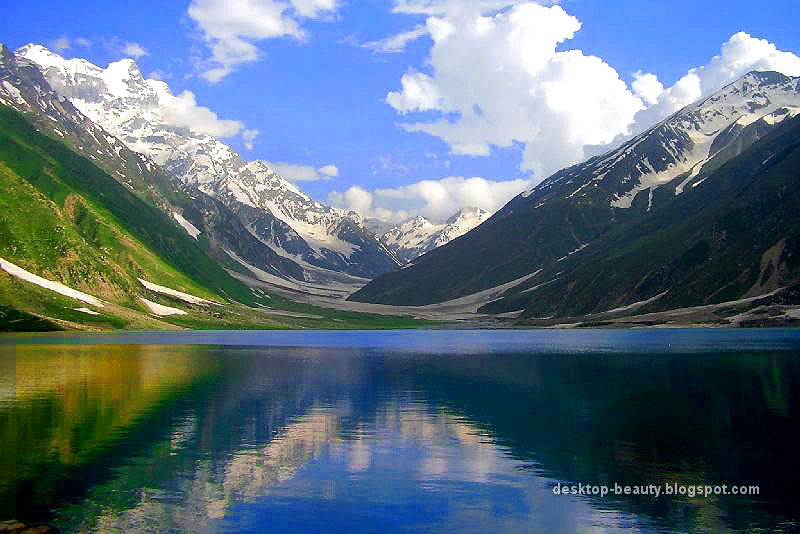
x=739 y=55
x=232 y=27
x=497 y=78
x=183 y=111
x=313 y=8
x=647 y=87
x=329 y=170
x=434 y=199
x=419 y=93
x=303 y=173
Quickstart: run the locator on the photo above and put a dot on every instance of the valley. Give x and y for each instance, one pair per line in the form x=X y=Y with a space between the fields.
x=107 y=200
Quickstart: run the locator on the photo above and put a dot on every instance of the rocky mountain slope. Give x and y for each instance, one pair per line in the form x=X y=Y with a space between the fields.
x=23 y=88
x=95 y=236
x=416 y=236
x=567 y=219
x=137 y=111
x=78 y=246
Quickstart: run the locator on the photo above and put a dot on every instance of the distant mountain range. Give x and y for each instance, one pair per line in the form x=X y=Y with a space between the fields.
x=129 y=107
x=698 y=209
x=416 y=236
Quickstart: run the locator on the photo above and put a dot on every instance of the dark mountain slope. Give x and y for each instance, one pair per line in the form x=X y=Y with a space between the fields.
x=575 y=207
x=735 y=235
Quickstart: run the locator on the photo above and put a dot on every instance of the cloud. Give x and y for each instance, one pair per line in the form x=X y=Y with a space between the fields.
x=313 y=8
x=355 y=198
x=739 y=55
x=396 y=43
x=419 y=93
x=64 y=43
x=303 y=173
x=434 y=199
x=182 y=111
x=441 y=7
x=329 y=170
x=387 y=165
x=498 y=79
x=61 y=44
x=249 y=137
x=159 y=75
x=647 y=87
x=134 y=50
x=232 y=27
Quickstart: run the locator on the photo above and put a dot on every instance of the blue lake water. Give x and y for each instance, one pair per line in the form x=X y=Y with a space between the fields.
x=432 y=431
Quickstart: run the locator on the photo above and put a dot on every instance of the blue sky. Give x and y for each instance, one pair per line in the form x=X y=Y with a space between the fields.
x=320 y=99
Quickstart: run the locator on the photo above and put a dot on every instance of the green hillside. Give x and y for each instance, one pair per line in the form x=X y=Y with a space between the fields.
x=66 y=220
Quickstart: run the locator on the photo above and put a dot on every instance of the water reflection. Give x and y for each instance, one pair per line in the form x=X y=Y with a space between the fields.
x=142 y=437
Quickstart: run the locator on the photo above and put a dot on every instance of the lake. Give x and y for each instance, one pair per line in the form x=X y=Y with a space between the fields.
x=432 y=431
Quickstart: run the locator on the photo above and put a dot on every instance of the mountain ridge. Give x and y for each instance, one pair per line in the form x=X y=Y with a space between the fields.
x=133 y=108
x=571 y=209
x=416 y=236
x=24 y=88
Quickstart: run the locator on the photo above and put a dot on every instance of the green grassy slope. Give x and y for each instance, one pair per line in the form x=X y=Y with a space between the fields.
x=59 y=205
x=65 y=219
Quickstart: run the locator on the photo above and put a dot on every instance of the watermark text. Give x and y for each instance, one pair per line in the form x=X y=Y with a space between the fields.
x=655 y=490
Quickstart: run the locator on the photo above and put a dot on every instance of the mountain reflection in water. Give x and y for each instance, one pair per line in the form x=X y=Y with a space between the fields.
x=212 y=438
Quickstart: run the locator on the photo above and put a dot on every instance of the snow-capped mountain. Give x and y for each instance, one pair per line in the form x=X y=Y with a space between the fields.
x=24 y=88
x=416 y=236
x=144 y=114
x=680 y=145
x=674 y=167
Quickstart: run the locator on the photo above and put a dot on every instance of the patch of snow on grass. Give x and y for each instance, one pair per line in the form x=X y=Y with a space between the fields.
x=86 y=310
x=636 y=305
x=161 y=310
x=22 y=274
x=186 y=297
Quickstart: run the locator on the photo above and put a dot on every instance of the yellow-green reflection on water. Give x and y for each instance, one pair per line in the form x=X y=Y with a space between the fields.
x=91 y=392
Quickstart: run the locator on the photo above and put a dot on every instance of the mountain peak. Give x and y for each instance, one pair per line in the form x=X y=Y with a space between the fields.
x=468 y=212
x=125 y=66
x=417 y=235
x=766 y=77
x=40 y=55
x=269 y=177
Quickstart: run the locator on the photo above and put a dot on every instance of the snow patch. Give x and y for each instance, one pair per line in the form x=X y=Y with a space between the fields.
x=161 y=310
x=22 y=274
x=86 y=310
x=14 y=93
x=186 y=225
x=562 y=258
x=635 y=305
x=186 y=297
